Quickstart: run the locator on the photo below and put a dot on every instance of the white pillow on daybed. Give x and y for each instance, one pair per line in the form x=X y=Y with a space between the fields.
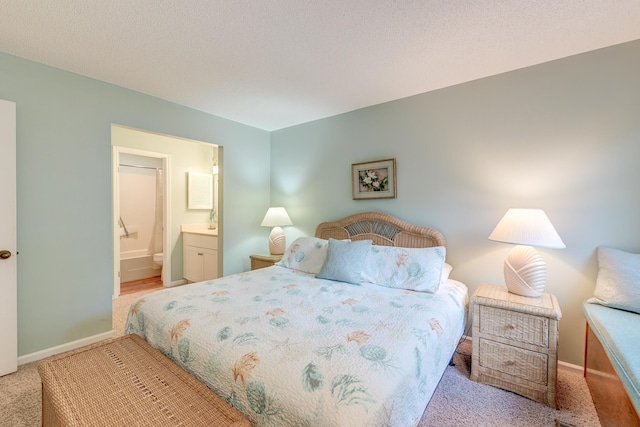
x=618 y=282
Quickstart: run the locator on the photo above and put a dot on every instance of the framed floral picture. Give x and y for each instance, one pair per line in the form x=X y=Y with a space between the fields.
x=374 y=180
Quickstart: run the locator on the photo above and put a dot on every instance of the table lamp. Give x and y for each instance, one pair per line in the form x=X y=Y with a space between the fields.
x=525 y=272
x=276 y=218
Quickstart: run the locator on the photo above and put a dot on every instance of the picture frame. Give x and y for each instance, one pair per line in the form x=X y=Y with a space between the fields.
x=374 y=180
x=200 y=191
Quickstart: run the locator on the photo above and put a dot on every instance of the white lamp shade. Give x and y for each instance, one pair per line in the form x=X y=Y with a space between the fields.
x=529 y=227
x=276 y=217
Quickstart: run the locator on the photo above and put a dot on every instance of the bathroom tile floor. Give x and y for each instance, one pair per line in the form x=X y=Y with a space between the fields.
x=140 y=285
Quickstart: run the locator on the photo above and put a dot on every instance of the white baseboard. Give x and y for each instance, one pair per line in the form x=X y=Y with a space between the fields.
x=570 y=367
x=48 y=352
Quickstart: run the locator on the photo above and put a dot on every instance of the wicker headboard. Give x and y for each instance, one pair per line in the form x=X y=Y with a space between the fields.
x=382 y=229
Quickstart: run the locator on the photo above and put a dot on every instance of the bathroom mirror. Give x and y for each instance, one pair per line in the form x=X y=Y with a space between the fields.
x=200 y=192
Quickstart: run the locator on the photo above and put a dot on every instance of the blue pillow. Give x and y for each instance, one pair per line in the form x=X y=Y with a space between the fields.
x=345 y=260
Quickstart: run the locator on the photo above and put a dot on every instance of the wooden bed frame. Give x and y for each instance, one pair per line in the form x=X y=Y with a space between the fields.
x=382 y=229
x=610 y=398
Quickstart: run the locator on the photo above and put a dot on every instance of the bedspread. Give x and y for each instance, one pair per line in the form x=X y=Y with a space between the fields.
x=288 y=349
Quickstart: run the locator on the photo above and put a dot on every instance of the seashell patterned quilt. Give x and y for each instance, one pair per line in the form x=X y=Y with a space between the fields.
x=287 y=349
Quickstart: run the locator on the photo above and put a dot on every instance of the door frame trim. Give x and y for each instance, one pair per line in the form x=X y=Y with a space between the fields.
x=166 y=221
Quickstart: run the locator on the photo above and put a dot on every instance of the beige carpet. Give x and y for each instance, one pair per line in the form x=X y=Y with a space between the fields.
x=457 y=402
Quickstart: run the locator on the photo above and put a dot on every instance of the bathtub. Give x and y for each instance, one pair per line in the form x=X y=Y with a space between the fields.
x=136 y=265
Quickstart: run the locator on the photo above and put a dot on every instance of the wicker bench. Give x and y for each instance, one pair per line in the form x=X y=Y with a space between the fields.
x=126 y=382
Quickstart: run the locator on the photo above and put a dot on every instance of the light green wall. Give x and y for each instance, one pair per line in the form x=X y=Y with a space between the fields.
x=563 y=136
x=65 y=277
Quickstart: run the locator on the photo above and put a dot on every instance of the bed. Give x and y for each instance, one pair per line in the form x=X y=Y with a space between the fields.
x=288 y=348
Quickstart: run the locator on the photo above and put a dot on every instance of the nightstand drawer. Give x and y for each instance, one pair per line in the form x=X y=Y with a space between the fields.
x=258 y=263
x=514 y=361
x=263 y=261
x=520 y=327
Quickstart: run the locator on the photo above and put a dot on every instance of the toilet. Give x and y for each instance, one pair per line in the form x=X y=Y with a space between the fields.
x=157 y=259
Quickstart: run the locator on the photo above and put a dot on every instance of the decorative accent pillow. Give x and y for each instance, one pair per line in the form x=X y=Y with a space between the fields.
x=416 y=269
x=305 y=254
x=345 y=260
x=618 y=282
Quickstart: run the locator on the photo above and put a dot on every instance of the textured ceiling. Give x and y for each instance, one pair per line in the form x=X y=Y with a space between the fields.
x=276 y=63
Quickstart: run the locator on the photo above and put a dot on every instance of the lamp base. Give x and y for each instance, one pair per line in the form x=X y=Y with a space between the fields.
x=525 y=272
x=277 y=241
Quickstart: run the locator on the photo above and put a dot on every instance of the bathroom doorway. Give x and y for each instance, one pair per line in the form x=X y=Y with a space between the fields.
x=183 y=156
x=141 y=199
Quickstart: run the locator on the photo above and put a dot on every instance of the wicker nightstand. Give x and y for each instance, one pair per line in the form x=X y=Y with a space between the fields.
x=262 y=261
x=515 y=342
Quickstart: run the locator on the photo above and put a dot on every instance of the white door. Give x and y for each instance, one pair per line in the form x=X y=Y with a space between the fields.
x=8 y=260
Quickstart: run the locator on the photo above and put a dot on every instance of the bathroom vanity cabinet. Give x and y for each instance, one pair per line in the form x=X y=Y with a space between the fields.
x=200 y=255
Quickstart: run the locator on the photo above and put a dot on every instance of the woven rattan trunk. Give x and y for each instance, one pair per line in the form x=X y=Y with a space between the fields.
x=126 y=382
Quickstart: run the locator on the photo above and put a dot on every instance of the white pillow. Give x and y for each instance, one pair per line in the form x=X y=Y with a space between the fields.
x=446 y=270
x=417 y=269
x=305 y=254
x=618 y=282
